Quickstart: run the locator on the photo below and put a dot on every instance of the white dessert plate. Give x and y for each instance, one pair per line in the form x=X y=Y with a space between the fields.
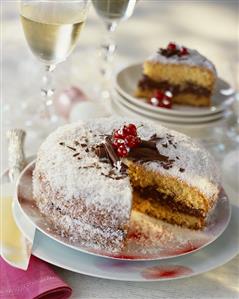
x=148 y=238
x=127 y=80
x=216 y=254
x=164 y=117
x=118 y=109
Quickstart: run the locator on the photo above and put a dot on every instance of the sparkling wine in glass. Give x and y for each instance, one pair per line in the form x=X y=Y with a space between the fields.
x=112 y=12
x=52 y=29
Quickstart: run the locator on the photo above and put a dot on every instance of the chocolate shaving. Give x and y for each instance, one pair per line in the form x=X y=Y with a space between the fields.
x=144 y=154
x=146 y=151
x=181 y=169
x=154 y=137
x=168 y=164
x=100 y=151
x=169 y=52
x=72 y=148
x=62 y=143
x=111 y=152
x=76 y=154
x=88 y=166
x=76 y=143
x=114 y=177
x=147 y=143
x=123 y=168
x=83 y=144
x=106 y=152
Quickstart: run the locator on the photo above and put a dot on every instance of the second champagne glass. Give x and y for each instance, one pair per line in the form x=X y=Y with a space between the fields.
x=112 y=12
x=52 y=29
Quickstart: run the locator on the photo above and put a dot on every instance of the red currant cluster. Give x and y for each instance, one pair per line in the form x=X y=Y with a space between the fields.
x=180 y=51
x=162 y=99
x=124 y=139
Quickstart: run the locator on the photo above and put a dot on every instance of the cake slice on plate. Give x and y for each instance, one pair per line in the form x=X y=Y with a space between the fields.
x=184 y=72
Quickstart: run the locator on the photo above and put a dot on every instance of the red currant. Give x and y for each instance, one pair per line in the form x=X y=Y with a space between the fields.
x=132 y=129
x=171 y=46
x=118 y=134
x=117 y=142
x=183 y=51
x=162 y=99
x=166 y=103
x=159 y=94
x=129 y=130
x=132 y=141
x=154 y=101
x=122 y=151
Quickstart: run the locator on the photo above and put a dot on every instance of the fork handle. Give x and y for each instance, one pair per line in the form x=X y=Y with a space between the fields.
x=16 y=156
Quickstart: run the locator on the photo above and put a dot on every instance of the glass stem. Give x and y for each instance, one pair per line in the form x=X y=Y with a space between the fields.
x=47 y=92
x=108 y=48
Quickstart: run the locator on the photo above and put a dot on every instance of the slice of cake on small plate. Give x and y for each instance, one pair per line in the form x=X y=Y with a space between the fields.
x=184 y=72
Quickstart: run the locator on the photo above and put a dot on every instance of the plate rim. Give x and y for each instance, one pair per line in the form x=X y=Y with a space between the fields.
x=119 y=109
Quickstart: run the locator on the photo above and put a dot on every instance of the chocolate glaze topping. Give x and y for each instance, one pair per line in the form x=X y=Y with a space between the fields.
x=188 y=87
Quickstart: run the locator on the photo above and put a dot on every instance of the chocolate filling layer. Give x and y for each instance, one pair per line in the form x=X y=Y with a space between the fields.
x=167 y=200
x=187 y=87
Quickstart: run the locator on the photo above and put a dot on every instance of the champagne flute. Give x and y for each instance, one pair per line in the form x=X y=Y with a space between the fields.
x=52 y=29
x=112 y=12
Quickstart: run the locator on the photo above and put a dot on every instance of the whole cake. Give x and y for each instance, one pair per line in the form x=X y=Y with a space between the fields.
x=89 y=176
x=185 y=73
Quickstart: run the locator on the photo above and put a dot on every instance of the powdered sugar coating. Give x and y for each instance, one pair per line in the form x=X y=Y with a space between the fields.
x=81 y=177
x=193 y=59
x=72 y=185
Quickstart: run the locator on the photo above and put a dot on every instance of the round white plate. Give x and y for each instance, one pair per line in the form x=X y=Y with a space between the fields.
x=127 y=80
x=164 y=117
x=147 y=239
x=216 y=254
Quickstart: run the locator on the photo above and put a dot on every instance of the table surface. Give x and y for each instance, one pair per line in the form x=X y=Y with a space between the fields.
x=197 y=25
